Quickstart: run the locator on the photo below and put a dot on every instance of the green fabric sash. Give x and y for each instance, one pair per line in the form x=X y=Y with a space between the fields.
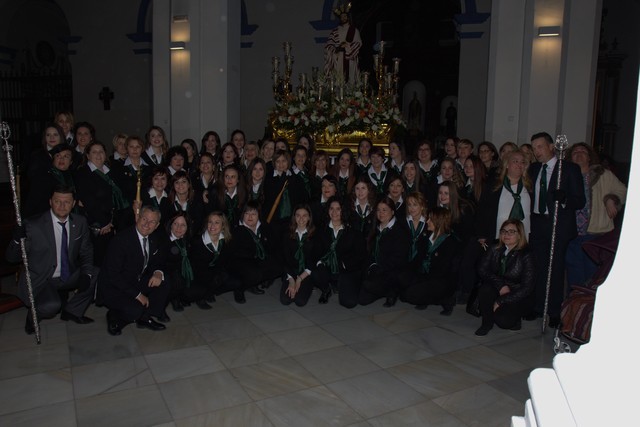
x=118 y=200
x=186 y=269
x=299 y=254
x=415 y=234
x=426 y=262
x=516 y=210
x=330 y=259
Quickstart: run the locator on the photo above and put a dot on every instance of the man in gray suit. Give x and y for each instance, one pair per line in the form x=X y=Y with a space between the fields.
x=60 y=258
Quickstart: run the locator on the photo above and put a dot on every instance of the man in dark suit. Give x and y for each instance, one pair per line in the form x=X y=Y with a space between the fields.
x=131 y=281
x=570 y=197
x=60 y=258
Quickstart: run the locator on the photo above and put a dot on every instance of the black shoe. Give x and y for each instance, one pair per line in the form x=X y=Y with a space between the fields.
x=114 y=327
x=164 y=318
x=202 y=304
x=256 y=290
x=517 y=326
x=554 y=322
x=82 y=320
x=446 y=310
x=185 y=303
x=177 y=305
x=239 y=297
x=390 y=302
x=29 y=327
x=210 y=299
x=531 y=316
x=483 y=330
x=324 y=298
x=150 y=324
x=473 y=310
x=421 y=306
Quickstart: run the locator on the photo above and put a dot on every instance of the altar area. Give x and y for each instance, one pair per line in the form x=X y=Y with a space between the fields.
x=340 y=105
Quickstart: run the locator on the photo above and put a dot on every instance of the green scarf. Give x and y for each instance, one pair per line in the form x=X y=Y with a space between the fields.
x=260 y=252
x=232 y=206
x=118 y=200
x=415 y=235
x=379 y=181
x=299 y=254
x=186 y=270
x=330 y=259
x=216 y=254
x=426 y=262
x=376 y=247
x=516 y=210
x=305 y=179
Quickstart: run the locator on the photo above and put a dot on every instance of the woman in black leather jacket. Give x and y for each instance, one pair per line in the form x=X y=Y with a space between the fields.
x=507 y=273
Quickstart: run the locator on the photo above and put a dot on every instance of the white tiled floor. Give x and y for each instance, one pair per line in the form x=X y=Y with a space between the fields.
x=264 y=364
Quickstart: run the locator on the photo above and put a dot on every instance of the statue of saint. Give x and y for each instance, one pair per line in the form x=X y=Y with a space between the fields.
x=342 y=48
x=415 y=113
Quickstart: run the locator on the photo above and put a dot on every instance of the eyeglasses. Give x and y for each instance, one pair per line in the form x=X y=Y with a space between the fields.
x=509 y=232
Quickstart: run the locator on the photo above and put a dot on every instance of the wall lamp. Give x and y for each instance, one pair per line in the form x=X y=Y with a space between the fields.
x=177 y=46
x=549 y=31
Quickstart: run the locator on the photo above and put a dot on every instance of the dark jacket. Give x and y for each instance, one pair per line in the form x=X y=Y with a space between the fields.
x=350 y=249
x=518 y=276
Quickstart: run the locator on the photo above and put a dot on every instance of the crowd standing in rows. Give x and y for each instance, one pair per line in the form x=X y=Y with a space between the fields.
x=155 y=225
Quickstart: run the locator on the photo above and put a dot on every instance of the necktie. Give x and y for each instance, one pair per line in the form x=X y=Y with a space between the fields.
x=64 y=253
x=516 y=209
x=144 y=252
x=542 y=195
x=154 y=158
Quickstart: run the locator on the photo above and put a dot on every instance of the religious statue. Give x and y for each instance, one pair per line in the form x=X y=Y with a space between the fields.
x=415 y=113
x=342 y=48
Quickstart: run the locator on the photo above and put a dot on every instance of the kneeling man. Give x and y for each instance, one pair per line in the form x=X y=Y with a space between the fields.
x=131 y=281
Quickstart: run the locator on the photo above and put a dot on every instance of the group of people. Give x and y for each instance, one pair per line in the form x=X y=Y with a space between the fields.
x=153 y=226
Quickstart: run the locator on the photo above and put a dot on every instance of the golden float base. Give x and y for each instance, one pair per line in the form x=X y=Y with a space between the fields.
x=333 y=142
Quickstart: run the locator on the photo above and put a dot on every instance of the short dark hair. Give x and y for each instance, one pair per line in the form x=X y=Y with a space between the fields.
x=63 y=189
x=544 y=135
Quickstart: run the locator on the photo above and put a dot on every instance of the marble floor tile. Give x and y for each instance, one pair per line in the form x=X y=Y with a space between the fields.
x=111 y=376
x=38 y=358
x=481 y=406
x=402 y=321
x=134 y=407
x=104 y=347
x=483 y=362
x=56 y=415
x=247 y=351
x=314 y=407
x=259 y=304
x=375 y=393
x=514 y=385
x=335 y=364
x=355 y=330
x=532 y=352
x=228 y=329
x=273 y=378
x=437 y=340
x=172 y=338
x=32 y=391
x=390 y=351
x=326 y=313
x=279 y=321
x=220 y=310
x=202 y=394
x=304 y=340
x=14 y=338
x=434 y=377
x=183 y=363
x=422 y=415
x=248 y=415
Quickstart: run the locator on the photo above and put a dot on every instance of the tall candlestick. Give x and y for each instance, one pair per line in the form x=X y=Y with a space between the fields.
x=138 y=187
x=276 y=63
x=381 y=50
x=376 y=62
x=396 y=65
x=287 y=48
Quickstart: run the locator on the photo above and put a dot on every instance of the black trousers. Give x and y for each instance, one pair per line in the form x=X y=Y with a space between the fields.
x=348 y=284
x=506 y=316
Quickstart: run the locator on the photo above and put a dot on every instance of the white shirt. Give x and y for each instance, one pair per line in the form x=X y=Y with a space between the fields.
x=152 y=153
x=92 y=167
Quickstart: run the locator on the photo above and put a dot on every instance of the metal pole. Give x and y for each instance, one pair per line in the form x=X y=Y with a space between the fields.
x=560 y=145
x=5 y=133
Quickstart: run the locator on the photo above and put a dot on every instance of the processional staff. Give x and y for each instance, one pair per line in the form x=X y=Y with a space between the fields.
x=560 y=145
x=5 y=133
